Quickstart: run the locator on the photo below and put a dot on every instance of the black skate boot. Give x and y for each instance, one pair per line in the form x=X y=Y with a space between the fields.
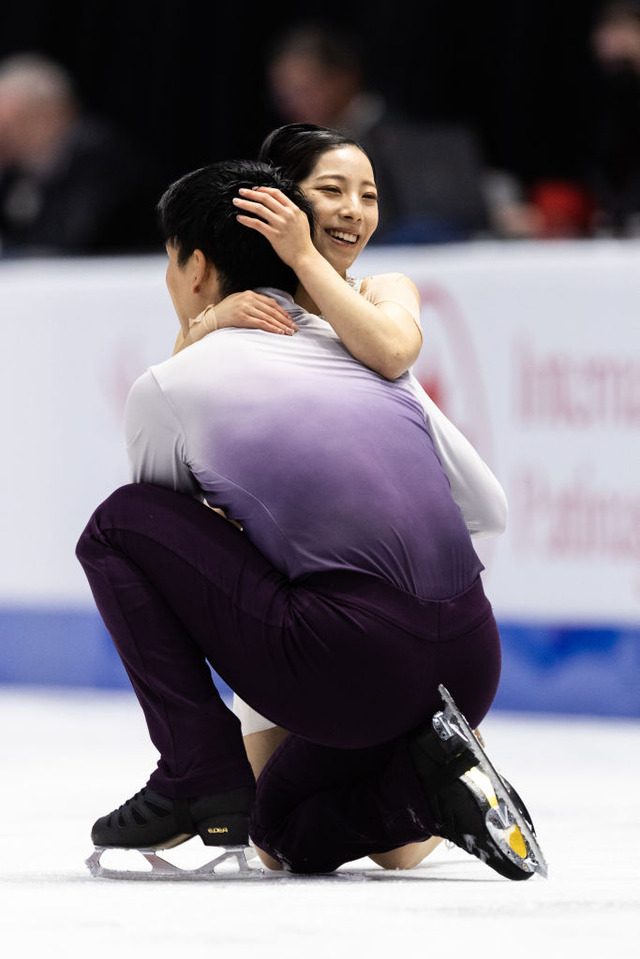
x=150 y=821
x=474 y=807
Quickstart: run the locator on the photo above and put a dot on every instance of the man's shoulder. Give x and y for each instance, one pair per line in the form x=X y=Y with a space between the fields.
x=144 y=388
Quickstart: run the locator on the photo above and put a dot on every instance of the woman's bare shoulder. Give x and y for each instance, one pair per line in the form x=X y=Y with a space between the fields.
x=393 y=288
x=385 y=281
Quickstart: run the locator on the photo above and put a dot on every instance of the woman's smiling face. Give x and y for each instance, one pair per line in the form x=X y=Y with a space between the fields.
x=343 y=191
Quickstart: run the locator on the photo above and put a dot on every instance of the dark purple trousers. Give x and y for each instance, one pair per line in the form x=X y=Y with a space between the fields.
x=344 y=661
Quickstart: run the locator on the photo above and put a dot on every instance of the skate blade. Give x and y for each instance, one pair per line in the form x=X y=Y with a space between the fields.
x=505 y=823
x=499 y=822
x=234 y=857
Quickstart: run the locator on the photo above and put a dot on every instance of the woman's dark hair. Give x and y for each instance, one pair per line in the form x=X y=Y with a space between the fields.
x=197 y=212
x=296 y=147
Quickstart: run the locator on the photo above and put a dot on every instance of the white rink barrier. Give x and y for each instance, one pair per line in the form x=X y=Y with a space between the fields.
x=533 y=350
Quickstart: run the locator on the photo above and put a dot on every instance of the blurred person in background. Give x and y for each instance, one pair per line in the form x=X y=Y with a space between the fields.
x=614 y=165
x=430 y=175
x=69 y=183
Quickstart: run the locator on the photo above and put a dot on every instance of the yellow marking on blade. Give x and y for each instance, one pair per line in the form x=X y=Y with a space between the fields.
x=515 y=837
x=517 y=843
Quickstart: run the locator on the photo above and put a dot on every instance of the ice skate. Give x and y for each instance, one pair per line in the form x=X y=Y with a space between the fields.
x=149 y=822
x=473 y=805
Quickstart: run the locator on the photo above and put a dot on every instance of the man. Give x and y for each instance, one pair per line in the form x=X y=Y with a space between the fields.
x=349 y=594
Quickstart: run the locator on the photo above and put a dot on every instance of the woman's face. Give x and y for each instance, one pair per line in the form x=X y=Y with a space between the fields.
x=343 y=191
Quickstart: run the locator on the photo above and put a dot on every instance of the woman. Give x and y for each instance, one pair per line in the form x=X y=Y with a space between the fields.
x=377 y=319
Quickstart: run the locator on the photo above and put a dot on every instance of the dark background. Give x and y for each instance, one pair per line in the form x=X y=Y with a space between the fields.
x=187 y=78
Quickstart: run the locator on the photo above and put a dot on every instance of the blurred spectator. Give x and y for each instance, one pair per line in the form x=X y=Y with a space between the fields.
x=430 y=175
x=614 y=167
x=69 y=184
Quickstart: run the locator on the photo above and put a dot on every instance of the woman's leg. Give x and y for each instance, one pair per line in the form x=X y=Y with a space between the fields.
x=260 y=748
x=318 y=807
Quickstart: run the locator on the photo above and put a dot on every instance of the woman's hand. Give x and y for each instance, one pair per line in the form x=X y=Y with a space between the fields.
x=278 y=219
x=249 y=310
x=253 y=311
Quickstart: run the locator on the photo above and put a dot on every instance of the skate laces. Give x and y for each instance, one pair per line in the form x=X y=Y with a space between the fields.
x=137 y=806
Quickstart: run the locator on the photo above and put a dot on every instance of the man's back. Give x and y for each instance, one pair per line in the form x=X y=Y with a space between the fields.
x=347 y=474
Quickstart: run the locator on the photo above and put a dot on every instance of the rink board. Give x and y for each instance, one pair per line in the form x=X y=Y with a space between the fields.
x=545 y=668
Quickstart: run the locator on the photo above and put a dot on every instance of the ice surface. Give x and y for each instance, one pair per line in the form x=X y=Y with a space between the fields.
x=70 y=757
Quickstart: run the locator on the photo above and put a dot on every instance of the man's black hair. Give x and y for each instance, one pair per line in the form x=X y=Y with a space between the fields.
x=197 y=212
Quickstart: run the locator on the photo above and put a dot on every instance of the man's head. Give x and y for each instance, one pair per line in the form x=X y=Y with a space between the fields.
x=206 y=243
